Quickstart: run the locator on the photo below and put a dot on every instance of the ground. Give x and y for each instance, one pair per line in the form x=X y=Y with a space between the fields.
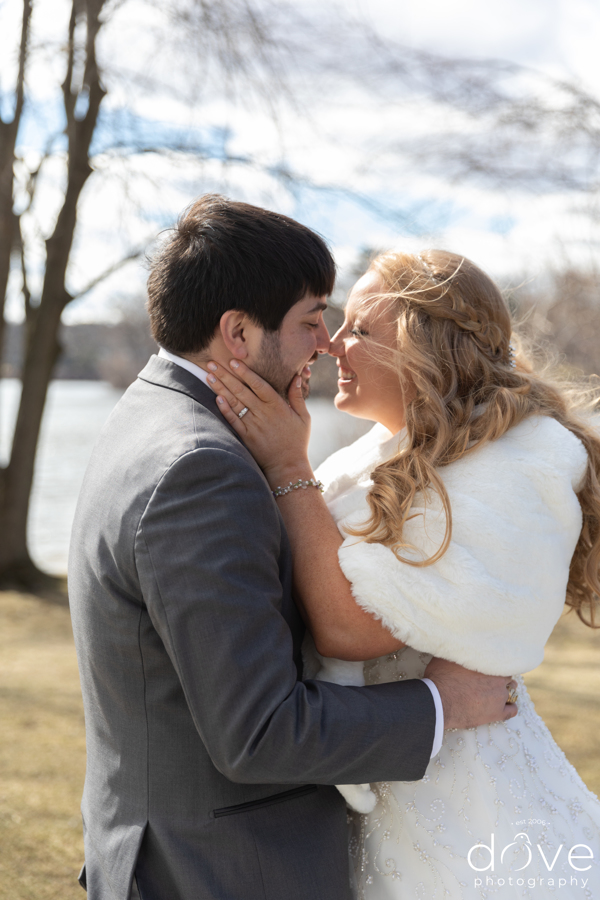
x=42 y=752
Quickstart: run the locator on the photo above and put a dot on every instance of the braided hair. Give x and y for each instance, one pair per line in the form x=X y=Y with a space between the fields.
x=464 y=386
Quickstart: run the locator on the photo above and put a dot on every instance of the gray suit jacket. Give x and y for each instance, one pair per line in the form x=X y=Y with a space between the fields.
x=210 y=762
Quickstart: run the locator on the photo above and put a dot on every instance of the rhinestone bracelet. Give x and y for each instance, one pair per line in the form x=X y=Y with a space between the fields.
x=280 y=491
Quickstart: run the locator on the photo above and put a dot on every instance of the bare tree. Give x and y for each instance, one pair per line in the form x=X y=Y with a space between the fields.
x=229 y=30
x=82 y=96
x=249 y=49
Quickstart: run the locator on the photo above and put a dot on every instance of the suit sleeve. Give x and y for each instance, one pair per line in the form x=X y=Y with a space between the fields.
x=207 y=552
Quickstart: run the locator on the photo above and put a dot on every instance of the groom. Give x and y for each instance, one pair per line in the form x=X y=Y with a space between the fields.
x=210 y=763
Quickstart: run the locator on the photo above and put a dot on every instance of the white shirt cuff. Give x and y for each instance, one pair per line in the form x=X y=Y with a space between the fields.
x=438 y=737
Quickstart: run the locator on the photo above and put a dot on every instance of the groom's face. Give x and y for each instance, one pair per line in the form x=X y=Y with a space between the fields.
x=287 y=353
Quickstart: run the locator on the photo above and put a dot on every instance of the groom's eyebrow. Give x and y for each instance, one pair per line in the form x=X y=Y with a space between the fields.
x=317 y=308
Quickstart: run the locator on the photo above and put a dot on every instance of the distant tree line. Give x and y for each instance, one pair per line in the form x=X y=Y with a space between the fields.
x=118 y=352
x=94 y=351
x=562 y=314
x=565 y=315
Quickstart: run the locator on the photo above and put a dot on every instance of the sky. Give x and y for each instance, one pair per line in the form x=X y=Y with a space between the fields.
x=556 y=37
x=377 y=200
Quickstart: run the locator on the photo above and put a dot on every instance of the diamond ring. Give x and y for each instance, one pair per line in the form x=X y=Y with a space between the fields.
x=242 y=412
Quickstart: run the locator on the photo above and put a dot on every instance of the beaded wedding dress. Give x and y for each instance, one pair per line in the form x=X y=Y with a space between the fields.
x=500 y=813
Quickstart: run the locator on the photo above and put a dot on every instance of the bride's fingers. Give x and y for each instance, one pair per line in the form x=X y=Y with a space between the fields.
x=240 y=374
x=510 y=708
x=258 y=385
x=296 y=399
x=231 y=416
x=219 y=378
x=235 y=403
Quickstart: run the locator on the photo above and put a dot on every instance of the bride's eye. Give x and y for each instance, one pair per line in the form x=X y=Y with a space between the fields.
x=359 y=332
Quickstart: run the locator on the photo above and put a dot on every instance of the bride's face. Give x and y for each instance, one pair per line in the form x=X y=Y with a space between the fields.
x=367 y=387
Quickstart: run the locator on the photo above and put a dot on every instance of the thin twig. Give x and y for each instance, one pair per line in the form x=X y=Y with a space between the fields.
x=134 y=254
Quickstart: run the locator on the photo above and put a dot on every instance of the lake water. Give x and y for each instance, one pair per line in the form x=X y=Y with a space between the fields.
x=75 y=413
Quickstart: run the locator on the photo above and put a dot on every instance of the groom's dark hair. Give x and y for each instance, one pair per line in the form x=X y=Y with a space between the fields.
x=227 y=255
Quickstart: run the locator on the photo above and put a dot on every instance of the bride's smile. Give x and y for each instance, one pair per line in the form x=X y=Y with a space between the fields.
x=369 y=386
x=345 y=375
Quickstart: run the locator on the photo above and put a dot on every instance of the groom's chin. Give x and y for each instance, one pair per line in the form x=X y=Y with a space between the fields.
x=305 y=387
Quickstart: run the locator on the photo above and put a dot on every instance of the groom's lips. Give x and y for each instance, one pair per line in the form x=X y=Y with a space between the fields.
x=304 y=373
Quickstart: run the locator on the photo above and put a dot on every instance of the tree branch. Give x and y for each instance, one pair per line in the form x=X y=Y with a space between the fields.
x=23 y=51
x=134 y=254
x=68 y=96
x=25 y=288
x=80 y=132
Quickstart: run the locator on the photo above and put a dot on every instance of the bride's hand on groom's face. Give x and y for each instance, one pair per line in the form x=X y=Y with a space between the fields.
x=275 y=431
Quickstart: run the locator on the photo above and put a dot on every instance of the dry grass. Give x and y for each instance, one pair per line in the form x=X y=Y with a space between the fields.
x=566 y=693
x=42 y=754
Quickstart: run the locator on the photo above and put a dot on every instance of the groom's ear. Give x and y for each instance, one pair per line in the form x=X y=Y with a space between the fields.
x=240 y=334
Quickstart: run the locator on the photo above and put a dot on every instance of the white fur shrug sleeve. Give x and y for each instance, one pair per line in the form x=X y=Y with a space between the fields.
x=491 y=602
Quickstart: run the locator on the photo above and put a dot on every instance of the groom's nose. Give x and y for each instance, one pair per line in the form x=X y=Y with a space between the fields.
x=322 y=338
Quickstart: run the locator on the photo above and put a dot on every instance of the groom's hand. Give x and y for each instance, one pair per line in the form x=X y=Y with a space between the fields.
x=470 y=698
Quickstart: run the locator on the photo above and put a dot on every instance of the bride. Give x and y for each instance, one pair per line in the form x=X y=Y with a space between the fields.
x=457 y=527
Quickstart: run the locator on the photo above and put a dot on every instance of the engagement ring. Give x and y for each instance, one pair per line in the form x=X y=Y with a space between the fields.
x=243 y=412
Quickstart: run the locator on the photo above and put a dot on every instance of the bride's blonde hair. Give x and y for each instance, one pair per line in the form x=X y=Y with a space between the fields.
x=455 y=359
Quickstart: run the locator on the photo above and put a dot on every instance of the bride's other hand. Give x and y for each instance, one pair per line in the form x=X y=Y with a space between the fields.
x=275 y=432
x=471 y=698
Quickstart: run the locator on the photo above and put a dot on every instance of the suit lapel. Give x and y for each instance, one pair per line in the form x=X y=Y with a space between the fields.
x=167 y=374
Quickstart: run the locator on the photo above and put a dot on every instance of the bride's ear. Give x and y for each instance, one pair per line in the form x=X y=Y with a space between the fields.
x=238 y=332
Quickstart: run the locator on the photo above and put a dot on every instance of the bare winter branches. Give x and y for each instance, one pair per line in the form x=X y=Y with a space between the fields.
x=82 y=96
x=486 y=121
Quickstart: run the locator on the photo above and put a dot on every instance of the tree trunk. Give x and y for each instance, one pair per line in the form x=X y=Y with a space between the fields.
x=8 y=138
x=42 y=352
x=43 y=321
